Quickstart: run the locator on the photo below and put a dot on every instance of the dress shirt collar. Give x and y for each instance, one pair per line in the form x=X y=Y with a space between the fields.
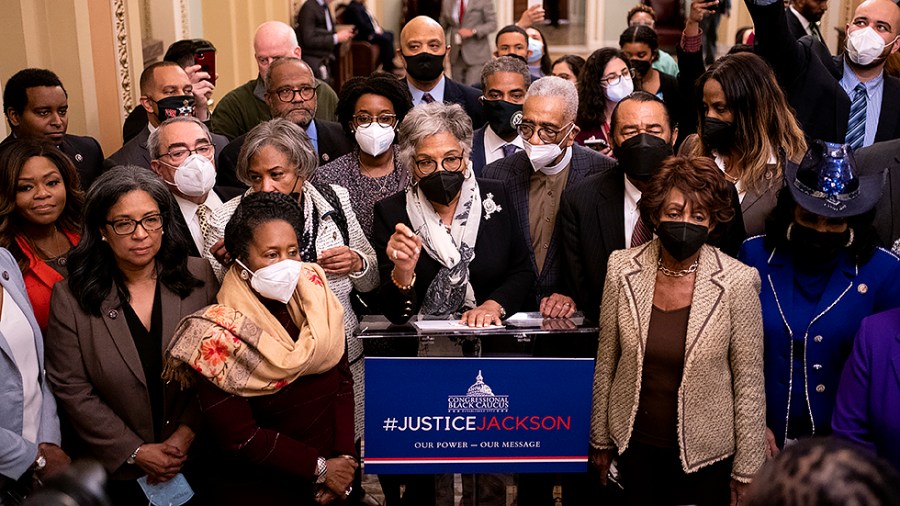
x=313 y=133
x=632 y=195
x=803 y=21
x=850 y=80
x=493 y=143
x=437 y=93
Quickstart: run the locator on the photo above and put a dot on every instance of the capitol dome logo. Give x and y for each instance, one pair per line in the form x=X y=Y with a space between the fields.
x=478 y=399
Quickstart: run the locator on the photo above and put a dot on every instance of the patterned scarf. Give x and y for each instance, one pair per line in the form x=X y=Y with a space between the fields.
x=450 y=290
x=240 y=347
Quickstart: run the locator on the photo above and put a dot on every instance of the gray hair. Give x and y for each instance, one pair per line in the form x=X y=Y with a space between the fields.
x=432 y=119
x=284 y=61
x=552 y=86
x=153 y=141
x=284 y=136
x=505 y=64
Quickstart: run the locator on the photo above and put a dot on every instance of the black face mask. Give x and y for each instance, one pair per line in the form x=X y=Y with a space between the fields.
x=641 y=156
x=170 y=107
x=717 y=134
x=642 y=67
x=680 y=238
x=813 y=249
x=424 y=67
x=504 y=117
x=441 y=186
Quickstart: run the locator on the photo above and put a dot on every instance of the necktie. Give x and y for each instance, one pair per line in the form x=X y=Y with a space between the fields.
x=427 y=98
x=641 y=233
x=462 y=10
x=509 y=150
x=203 y=218
x=814 y=28
x=856 y=126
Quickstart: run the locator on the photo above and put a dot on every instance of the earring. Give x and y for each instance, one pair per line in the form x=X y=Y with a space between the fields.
x=788 y=234
x=849 y=241
x=103 y=238
x=244 y=274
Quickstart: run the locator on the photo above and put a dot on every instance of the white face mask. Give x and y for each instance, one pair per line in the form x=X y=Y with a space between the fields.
x=542 y=155
x=623 y=88
x=196 y=176
x=277 y=281
x=374 y=139
x=865 y=46
x=537 y=50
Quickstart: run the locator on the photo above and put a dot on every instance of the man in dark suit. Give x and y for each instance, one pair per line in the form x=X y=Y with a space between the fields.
x=600 y=214
x=166 y=92
x=182 y=145
x=317 y=36
x=823 y=90
x=535 y=182
x=36 y=106
x=424 y=49
x=874 y=160
x=368 y=29
x=291 y=94
x=803 y=18
x=505 y=81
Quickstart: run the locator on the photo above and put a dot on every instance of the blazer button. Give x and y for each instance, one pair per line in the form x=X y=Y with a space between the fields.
x=820 y=388
x=113 y=314
x=862 y=288
x=334 y=236
x=5 y=276
x=817 y=339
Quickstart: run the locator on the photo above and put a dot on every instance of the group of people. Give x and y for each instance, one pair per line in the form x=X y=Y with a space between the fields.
x=185 y=312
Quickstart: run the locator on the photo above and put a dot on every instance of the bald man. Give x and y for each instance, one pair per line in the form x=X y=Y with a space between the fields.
x=245 y=106
x=423 y=50
x=845 y=99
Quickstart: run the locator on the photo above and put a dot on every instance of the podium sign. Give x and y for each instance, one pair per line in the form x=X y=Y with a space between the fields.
x=477 y=415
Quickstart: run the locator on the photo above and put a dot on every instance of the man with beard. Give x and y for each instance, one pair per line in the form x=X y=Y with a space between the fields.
x=291 y=93
x=803 y=18
x=846 y=99
x=504 y=80
x=423 y=50
x=600 y=214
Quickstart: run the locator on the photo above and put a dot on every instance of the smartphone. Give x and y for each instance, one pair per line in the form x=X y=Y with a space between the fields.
x=532 y=3
x=596 y=144
x=206 y=58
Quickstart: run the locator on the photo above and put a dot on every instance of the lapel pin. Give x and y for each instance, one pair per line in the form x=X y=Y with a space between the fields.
x=113 y=314
x=862 y=288
x=78 y=157
x=325 y=157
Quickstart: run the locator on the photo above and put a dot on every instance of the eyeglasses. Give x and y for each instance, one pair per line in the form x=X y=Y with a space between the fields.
x=179 y=154
x=127 y=226
x=450 y=164
x=613 y=79
x=288 y=94
x=385 y=120
x=546 y=134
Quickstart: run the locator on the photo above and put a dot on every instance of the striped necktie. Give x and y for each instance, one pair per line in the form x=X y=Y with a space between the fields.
x=427 y=98
x=856 y=126
x=641 y=233
x=816 y=33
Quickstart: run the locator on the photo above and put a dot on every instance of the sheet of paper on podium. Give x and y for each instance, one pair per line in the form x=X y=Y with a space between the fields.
x=449 y=326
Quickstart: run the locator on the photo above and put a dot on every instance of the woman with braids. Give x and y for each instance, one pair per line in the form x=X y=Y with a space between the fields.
x=270 y=367
x=40 y=219
x=130 y=283
x=370 y=109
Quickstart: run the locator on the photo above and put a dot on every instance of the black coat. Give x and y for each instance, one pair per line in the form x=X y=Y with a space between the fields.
x=85 y=153
x=333 y=143
x=873 y=160
x=592 y=225
x=355 y=14
x=467 y=97
x=500 y=270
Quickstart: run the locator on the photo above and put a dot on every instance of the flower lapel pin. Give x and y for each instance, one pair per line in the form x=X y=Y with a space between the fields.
x=490 y=207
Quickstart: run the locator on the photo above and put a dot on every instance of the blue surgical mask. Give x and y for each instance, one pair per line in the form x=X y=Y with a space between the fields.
x=174 y=492
x=537 y=50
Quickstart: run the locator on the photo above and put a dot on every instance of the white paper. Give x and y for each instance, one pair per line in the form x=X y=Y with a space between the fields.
x=450 y=326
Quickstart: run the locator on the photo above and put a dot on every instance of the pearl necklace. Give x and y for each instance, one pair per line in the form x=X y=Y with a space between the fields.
x=677 y=274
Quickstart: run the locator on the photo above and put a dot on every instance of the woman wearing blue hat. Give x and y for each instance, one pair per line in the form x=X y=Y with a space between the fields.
x=822 y=272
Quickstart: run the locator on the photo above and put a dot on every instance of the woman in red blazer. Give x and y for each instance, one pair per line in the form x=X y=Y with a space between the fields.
x=40 y=218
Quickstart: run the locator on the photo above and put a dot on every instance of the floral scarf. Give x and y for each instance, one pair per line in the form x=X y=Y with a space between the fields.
x=240 y=347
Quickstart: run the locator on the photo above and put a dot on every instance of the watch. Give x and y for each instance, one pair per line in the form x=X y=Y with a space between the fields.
x=132 y=458
x=40 y=462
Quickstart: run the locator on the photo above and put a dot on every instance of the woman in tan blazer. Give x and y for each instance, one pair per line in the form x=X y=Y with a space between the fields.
x=130 y=283
x=678 y=385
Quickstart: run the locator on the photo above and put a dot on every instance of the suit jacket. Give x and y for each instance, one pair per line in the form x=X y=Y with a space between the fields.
x=85 y=153
x=515 y=171
x=479 y=15
x=467 y=97
x=499 y=271
x=478 y=157
x=811 y=79
x=867 y=410
x=355 y=14
x=315 y=38
x=721 y=397
x=96 y=373
x=794 y=24
x=18 y=454
x=592 y=224
x=136 y=152
x=333 y=143
x=874 y=160
x=852 y=293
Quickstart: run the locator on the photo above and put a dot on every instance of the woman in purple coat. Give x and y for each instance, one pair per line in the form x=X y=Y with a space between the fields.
x=867 y=410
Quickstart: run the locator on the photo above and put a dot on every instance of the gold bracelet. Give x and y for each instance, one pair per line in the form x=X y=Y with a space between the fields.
x=404 y=288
